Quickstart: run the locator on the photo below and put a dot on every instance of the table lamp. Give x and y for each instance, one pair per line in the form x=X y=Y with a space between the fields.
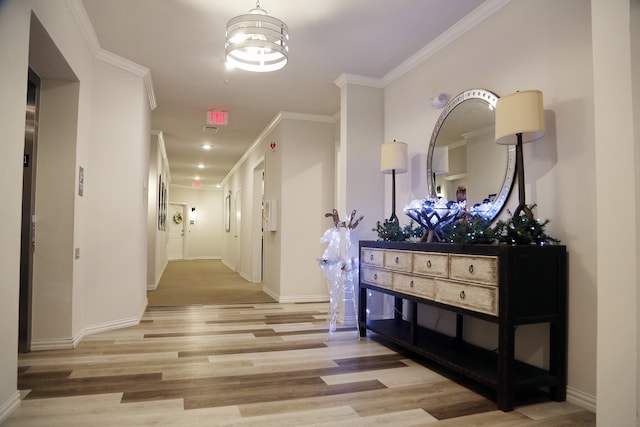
x=393 y=159
x=520 y=119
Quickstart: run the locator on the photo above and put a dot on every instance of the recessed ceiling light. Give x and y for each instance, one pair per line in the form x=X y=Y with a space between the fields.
x=206 y=146
x=200 y=166
x=197 y=178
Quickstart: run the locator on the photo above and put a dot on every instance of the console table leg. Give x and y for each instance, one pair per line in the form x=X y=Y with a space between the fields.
x=362 y=312
x=506 y=367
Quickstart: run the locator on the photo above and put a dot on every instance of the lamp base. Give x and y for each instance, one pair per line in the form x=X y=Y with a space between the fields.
x=522 y=206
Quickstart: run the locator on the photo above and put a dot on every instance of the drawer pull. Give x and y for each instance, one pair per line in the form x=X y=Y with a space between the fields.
x=428 y=263
x=471 y=269
x=371 y=257
x=397 y=260
x=375 y=276
x=462 y=295
x=411 y=284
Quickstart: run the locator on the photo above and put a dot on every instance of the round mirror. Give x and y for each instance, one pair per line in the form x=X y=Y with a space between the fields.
x=464 y=163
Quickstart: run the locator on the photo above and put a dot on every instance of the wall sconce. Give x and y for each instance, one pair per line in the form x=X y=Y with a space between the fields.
x=393 y=158
x=192 y=216
x=520 y=119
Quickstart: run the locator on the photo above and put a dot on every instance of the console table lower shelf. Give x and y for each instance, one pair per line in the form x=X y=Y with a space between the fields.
x=473 y=362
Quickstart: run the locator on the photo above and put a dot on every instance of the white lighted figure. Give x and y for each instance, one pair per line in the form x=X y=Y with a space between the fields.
x=340 y=269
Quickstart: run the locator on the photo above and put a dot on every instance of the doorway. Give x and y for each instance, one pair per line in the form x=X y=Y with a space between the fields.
x=176 y=220
x=28 y=224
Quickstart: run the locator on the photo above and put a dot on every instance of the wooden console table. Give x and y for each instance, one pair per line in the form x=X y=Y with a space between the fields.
x=502 y=284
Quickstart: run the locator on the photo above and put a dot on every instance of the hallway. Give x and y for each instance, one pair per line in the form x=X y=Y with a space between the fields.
x=204 y=281
x=243 y=365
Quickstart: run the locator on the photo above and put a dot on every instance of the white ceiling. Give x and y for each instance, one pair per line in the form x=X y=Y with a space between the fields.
x=182 y=43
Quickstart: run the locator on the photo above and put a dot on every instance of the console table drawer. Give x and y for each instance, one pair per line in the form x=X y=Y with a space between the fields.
x=372 y=257
x=473 y=297
x=472 y=268
x=431 y=264
x=398 y=260
x=424 y=287
x=376 y=277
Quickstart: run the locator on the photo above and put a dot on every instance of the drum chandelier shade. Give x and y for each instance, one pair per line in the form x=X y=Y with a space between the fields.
x=257 y=42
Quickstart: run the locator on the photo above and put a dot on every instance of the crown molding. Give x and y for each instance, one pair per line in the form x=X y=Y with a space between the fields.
x=86 y=28
x=287 y=115
x=356 y=79
x=474 y=18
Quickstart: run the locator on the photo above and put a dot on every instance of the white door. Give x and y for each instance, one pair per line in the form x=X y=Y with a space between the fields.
x=238 y=229
x=175 y=220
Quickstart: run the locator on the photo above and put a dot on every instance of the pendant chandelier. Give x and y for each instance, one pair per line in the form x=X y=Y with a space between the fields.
x=257 y=42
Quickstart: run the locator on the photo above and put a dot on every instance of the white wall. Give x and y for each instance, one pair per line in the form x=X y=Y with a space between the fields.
x=14 y=45
x=503 y=55
x=105 y=287
x=635 y=68
x=307 y=194
x=203 y=239
x=116 y=179
x=55 y=195
x=157 y=256
x=616 y=162
x=299 y=177
x=358 y=160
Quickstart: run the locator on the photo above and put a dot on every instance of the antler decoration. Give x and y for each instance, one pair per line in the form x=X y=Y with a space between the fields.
x=337 y=223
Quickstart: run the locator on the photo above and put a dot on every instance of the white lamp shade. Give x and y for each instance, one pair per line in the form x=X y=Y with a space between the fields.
x=440 y=161
x=393 y=156
x=519 y=112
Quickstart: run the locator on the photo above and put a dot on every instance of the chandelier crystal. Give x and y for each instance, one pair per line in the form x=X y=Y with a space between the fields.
x=257 y=42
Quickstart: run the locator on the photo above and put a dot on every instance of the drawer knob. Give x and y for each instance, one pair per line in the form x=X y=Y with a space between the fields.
x=397 y=260
x=375 y=276
x=428 y=263
x=371 y=257
x=411 y=284
x=471 y=269
x=462 y=295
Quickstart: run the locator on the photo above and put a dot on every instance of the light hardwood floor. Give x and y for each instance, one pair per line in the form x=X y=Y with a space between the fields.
x=251 y=365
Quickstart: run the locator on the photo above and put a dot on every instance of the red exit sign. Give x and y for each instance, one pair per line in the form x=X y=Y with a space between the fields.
x=217 y=117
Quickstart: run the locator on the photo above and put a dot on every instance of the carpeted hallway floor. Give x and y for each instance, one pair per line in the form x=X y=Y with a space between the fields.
x=204 y=282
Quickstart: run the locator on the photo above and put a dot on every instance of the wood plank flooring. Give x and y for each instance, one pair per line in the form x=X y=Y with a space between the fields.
x=251 y=365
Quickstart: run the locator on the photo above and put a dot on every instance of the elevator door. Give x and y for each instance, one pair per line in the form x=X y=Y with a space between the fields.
x=27 y=246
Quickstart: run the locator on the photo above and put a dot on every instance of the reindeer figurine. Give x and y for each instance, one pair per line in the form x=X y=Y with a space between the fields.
x=337 y=265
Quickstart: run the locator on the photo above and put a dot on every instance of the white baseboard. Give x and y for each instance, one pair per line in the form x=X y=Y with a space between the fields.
x=10 y=405
x=581 y=399
x=154 y=286
x=70 y=343
x=302 y=298
x=229 y=266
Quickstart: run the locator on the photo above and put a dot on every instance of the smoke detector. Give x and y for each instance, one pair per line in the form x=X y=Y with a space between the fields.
x=210 y=128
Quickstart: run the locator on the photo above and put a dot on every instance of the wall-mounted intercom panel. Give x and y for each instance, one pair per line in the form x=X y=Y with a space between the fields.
x=270 y=215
